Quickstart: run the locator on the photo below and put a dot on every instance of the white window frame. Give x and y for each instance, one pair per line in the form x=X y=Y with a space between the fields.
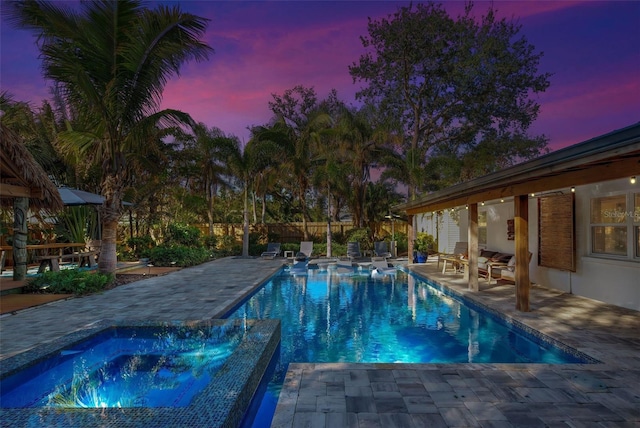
x=631 y=221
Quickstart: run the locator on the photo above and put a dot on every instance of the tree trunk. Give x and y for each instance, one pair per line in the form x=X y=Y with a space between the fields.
x=254 y=208
x=245 y=235
x=303 y=207
x=108 y=260
x=20 y=209
x=210 y=218
x=110 y=213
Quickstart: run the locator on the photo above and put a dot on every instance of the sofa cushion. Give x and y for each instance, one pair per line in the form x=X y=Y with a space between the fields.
x=501 y=258
x=487 y=253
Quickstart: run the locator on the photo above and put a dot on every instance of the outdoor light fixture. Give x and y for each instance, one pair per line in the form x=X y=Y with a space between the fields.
x=501 y=200
x=483 y=204
x=573 y=189
x=633 y=180
x=533 y=194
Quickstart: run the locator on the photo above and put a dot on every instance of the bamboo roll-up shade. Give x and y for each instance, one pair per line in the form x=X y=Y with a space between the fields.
x=556 y=227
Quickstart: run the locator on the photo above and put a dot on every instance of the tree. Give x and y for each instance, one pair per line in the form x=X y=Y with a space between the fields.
x=206 y=156
x=111 y=60
x=245 y=163
x=298 y=121
x=454 y=82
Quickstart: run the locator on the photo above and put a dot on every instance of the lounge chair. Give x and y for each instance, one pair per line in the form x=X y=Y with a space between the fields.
x=380 y=269
x=381 y=249
x=353 y=250
x=273 y=250
x=300 y=267
x=306 y=249
x=461 y=249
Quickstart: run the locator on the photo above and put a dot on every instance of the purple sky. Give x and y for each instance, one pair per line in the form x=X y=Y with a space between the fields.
x=591 y=47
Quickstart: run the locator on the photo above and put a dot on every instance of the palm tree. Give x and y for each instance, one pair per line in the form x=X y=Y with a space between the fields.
x=245 y=163
x=111 y=60
x=207 y=156
x=299 y=122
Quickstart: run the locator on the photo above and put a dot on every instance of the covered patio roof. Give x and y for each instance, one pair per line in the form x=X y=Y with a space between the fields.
x=608 y=157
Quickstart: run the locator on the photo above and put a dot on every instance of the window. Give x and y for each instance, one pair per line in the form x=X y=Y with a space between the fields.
x=636 y=222
x=615 y=224
x=482 y=228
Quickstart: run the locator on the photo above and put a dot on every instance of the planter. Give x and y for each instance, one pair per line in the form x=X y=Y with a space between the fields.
x=421 y=257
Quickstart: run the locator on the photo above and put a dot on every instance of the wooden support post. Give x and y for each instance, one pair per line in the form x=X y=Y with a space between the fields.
x=20 y=231
x=521 y=210
x=472 y=269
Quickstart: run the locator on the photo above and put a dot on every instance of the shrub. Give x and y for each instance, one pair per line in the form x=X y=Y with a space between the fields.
x=424 y=243
x=140 y=246
x=402 y=243
x=228 y=246
x=337 y=249
x=181 y=234
x=178 y=255
x=210 y=242
x=69 y=281
x=363 y=236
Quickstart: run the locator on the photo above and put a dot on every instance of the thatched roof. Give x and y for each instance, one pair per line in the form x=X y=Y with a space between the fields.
x=22 y=176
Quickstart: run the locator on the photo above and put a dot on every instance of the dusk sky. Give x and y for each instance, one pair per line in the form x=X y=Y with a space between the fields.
x=591 y=47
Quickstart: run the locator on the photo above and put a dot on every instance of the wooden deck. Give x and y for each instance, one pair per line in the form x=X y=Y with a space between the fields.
x=15 y=302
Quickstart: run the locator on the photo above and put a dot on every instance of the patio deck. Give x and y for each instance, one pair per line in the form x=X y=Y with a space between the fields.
x=394 y=395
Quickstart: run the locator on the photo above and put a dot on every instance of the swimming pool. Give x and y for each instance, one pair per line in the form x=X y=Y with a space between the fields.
x=349 y=315
x=200 y=373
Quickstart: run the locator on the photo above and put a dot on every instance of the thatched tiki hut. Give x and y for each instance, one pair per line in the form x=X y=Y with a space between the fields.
x=23 y=185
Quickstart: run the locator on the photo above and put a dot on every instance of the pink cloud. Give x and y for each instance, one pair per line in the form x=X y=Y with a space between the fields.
x=585 y=109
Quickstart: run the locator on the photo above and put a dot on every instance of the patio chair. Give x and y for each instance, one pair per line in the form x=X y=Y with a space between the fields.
x=306 y=249
x=381 y=249
x=459 y=250
x=273 y=250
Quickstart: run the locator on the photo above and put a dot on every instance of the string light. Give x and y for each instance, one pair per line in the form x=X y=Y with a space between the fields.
x=573 y=189
x=633 y=180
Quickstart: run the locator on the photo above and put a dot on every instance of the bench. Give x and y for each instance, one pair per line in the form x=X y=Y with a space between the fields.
x=50 y=261
x=85 y=258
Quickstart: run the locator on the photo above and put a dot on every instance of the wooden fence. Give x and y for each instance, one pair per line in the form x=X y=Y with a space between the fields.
x=294 y=232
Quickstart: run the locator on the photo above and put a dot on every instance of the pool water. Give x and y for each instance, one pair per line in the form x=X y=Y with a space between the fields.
x=125 y=367
x=349 y=315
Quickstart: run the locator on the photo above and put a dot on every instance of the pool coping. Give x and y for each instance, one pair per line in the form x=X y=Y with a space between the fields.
x=222 y=403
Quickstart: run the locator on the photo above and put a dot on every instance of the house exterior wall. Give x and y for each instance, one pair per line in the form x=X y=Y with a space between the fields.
x=446 y=227
x=613 y=280
x=608 y=279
